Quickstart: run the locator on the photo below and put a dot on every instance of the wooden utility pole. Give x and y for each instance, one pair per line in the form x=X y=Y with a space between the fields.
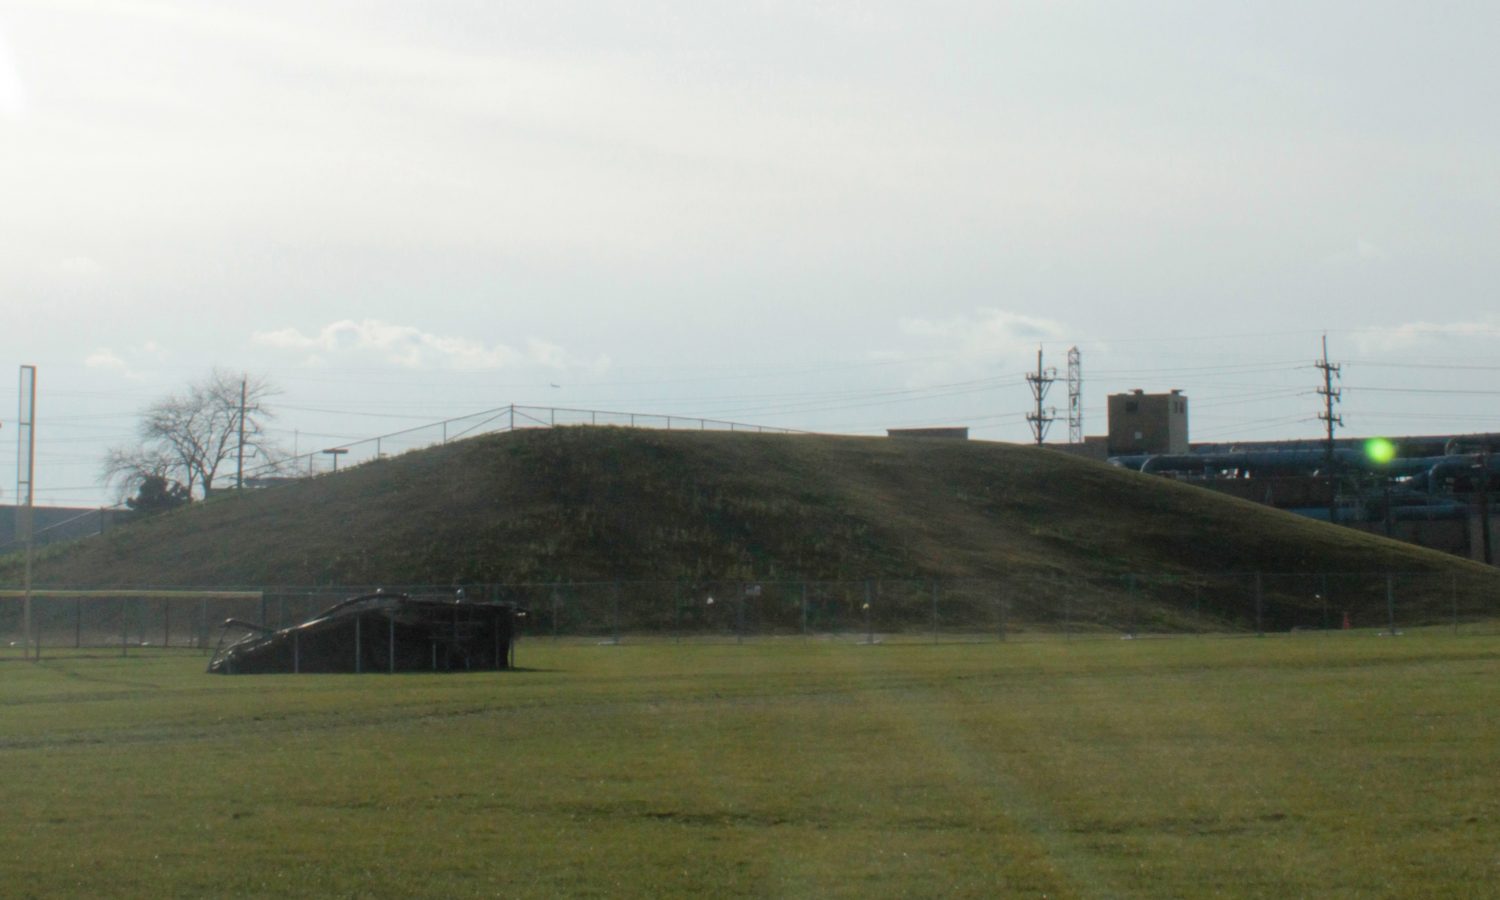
x=1040 y=381
x=1330 y=397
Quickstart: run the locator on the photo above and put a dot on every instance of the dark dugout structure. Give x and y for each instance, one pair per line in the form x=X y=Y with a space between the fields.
x=376 y=633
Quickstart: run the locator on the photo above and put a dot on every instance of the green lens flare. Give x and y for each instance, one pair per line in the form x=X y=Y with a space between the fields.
x=1380 y=450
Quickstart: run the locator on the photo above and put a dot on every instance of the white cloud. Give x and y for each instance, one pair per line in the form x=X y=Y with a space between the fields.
x=991 y=334
x=1414 y=335
x=1362 y=251
x=12 y=94
x=73 y=272
x=128 y=363
x=983 y=343
x=107 y=360
x=373 y=341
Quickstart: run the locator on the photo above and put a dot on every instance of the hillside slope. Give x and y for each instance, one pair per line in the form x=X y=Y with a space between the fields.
x=607 y=503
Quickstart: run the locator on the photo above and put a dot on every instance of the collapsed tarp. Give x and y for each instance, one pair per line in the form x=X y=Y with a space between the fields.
x=375 y=633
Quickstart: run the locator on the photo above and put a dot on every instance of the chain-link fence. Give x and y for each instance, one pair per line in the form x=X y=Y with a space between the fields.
x=1027 y=607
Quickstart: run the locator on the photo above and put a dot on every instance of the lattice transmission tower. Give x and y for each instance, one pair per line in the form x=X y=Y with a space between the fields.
x=1075 y=396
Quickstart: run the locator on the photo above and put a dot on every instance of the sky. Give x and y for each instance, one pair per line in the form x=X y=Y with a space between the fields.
x=826 y=216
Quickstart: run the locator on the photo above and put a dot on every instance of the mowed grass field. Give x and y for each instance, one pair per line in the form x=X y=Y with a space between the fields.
x=1334 y=765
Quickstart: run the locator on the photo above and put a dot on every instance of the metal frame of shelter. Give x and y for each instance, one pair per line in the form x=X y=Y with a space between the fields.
x=376 y=632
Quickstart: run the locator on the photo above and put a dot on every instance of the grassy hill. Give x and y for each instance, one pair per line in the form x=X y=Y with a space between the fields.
x=608 y=503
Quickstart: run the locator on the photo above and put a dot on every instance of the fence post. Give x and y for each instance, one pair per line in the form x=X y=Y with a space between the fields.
x=203 y=624
x=495 y=630
x=616 y=608
x=124 y=626
x=1259 y=607
x=934 y=610
x=739 y=614
x=1390 y=601
x=1453 y=592
x=1000 y=602
x=1067 y=614
x=1325 y=601
x=804 y=609
x=391 y=629
x=677 y=612
x=556 y=586
x=869 y=621
x=297 y=652
x=1130 y=604
x=358 y=640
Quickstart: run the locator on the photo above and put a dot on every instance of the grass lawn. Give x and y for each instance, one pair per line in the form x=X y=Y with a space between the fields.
x=1326 y=765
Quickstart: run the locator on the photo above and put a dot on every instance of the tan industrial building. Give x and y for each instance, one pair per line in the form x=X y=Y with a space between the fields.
x=1147 y=423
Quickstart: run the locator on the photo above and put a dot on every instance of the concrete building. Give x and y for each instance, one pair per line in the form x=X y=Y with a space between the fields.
x=1147 y=423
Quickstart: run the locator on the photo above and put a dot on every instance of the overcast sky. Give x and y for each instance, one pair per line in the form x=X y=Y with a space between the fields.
x=821 y=215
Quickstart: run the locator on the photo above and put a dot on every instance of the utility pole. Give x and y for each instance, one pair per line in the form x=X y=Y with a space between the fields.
x=1040 y=381
x=239 y=478
x=1075 y=396
x=1330 y=397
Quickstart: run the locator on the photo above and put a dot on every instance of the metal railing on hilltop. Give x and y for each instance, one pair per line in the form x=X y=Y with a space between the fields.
x=511 y=417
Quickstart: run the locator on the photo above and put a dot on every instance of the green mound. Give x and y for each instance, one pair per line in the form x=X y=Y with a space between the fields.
x=580 y=504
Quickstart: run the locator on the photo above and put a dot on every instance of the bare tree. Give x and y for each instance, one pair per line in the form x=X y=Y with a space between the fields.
x=187 y=439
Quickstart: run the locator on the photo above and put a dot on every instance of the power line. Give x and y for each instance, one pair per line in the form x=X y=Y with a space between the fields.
x=1276 y=366
x=1456 y=391
x=1439 y=366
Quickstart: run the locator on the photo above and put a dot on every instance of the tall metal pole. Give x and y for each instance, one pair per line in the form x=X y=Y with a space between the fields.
x=1075 y=396
x=335 y=452
x=25 y=476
